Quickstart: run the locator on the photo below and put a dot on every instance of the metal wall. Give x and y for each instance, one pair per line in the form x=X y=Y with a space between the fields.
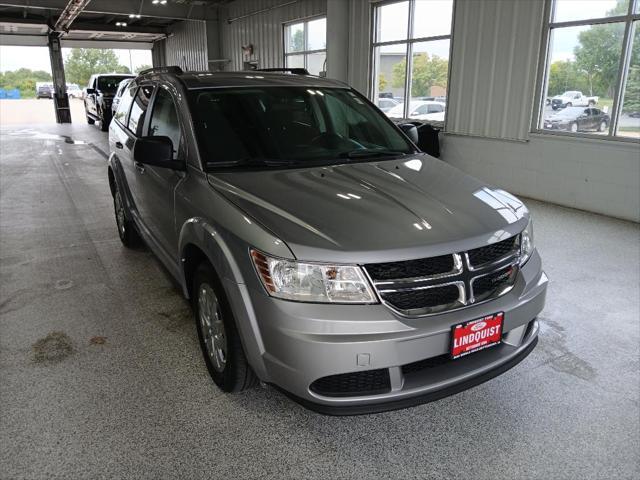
x=262 y=30
x=493 y=71
x=186 y=46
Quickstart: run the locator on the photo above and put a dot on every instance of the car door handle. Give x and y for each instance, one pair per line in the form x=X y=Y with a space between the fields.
x=139 y=167
x=119 y=145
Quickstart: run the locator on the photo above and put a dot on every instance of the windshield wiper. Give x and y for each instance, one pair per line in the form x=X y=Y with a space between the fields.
x=252 y=162
x=369 y=153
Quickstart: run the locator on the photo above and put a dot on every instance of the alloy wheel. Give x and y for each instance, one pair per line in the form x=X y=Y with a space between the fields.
x=212 y=327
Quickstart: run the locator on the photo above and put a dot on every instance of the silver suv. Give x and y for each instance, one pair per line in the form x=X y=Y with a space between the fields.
x=323 y=253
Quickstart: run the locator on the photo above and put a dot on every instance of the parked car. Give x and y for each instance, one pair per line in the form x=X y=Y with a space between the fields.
x=386 y=104
x=120 y=90
x=321 y=251
x=578 y=119
x=99 y=95
x=420 y=110
x=44 y=90
x=572 y=98
x=73 y=90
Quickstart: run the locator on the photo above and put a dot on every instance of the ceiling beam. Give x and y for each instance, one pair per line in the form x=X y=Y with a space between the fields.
x=86 y=26
x=69 y=14
x=169 y=11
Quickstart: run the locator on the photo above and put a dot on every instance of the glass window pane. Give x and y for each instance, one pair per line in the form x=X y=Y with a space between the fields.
x=125 y=104
x=315 y=63
x=294 y=37
x=390 y=74
x=294 y=61
x=317 y=34
x=164 y=120
x=629 y=120
x=570 y=10
x=583 y=71
x=139 y=109
x=392 y=22
x=429 y=75
x=432 y=18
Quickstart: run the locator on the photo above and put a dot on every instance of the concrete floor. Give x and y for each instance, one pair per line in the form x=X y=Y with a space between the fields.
x=126 y=394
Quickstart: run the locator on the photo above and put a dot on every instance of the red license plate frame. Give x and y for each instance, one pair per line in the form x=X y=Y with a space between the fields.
x=475 y=335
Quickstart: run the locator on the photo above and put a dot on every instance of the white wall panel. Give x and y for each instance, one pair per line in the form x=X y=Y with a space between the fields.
x=262 y=30
x=186 y=45
x=494 y=62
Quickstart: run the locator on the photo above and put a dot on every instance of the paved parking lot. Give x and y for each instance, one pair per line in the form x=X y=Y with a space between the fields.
x=36 y=112
x=101 y=375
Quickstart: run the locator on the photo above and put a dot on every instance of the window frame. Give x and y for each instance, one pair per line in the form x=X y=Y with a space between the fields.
x=408 y=42
x=304 y=52
x=544 y=65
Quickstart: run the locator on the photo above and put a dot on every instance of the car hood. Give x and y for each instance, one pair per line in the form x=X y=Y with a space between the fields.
x=376 y=211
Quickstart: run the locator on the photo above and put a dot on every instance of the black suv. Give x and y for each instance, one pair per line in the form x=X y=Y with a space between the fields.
x=99 y=95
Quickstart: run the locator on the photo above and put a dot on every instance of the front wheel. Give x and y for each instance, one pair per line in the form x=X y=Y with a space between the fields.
x=574 y=127
x=218 y=335
x=126 y=230
x=603 y=126
x=569 y=104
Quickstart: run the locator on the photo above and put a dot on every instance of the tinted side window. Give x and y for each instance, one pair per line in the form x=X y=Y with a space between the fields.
x=138 y=110
x=125 y=103
x=164 y=120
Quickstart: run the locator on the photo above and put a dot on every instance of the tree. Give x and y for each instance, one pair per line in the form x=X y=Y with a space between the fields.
x=427 y=72
x=563 y=76
x=141 y=68
x=297 y=41
x=632 y=93
x=382 y=82
x=84 y=62
x=24 y=80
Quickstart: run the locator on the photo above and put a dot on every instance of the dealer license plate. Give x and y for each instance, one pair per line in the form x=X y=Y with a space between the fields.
x=476 y=335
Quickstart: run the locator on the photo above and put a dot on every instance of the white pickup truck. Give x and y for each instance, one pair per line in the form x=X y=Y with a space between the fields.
x=572 y=98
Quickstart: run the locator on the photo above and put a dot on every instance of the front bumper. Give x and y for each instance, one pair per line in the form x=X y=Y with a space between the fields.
x=301 y=343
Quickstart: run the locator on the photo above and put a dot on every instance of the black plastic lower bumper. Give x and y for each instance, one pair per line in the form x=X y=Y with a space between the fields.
x=417 y=400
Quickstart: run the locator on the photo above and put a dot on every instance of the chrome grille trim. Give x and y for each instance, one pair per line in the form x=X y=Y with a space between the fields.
x=463 y=276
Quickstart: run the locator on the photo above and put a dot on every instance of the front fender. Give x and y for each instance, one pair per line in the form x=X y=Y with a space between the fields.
x=198 y=232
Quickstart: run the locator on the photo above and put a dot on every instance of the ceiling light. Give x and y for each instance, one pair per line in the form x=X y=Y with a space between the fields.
x=159 y=2
x=134 y=15
x=121 y=24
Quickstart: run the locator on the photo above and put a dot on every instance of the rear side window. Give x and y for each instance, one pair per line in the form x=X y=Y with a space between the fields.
x=164 y=120
x=125 y=103
x=139 y=109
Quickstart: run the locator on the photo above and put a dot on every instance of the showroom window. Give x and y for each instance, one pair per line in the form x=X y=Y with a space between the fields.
x=305 y=45
x=411 y=43
x=591 y=83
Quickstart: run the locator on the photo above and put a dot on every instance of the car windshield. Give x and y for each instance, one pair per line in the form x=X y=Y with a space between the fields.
x=291 y=125
x=109 y=84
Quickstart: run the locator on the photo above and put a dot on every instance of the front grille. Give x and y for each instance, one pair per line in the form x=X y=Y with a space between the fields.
x=367 y=382
x=437 y=284
x=426 y=298
x=487 y=285
x=411 y=268
x=491 y=253
x=421 y=365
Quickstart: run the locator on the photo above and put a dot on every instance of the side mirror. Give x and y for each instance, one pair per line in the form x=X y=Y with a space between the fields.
x=410 y=131
x=90 y=91
x=156 y=151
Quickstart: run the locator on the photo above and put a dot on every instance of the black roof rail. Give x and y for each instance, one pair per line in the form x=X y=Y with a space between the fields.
x=293 y=71
x=170 y=69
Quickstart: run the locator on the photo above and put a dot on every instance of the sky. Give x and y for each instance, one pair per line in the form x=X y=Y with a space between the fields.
x=37 y=58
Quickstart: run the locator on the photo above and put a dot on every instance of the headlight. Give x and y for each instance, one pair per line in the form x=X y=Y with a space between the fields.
x=312 y=282
x=526 y=243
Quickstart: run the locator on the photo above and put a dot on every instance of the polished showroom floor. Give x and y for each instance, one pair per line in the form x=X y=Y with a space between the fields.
x=101 y=375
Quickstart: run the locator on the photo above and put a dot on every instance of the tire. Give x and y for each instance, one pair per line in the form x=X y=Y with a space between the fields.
x=90 y=120
x=126 y=229
x=105 y=120
x=574 y=127
x=217 y=333
x=554 y=108
x=592 y=103
x=569 y=105
x=603 y=126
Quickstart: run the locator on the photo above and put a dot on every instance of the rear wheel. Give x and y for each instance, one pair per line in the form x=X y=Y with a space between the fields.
x=105 y=119
x=90 y=120
x=126 y=230
x=218 y=335
x=603 y=126
x=569 y=104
